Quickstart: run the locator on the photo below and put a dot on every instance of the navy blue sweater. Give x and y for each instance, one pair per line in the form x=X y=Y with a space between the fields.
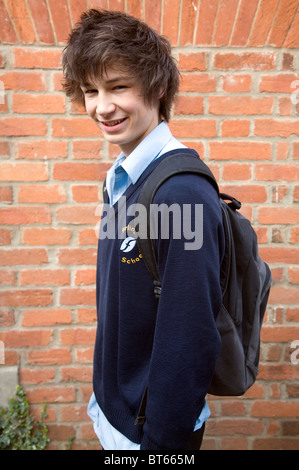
x=171 y=344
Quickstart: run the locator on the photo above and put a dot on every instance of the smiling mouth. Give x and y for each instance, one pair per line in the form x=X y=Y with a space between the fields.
x=113 y=123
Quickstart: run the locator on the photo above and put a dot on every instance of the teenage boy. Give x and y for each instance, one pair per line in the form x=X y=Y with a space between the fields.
x=125 y=75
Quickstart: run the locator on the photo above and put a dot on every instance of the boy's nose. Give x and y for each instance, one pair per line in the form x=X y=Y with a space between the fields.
x=105 y=105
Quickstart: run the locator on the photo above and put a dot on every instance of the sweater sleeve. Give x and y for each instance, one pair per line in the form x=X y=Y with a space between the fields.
x=186 y=342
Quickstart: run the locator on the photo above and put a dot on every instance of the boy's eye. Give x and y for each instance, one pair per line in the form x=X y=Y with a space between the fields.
x=120 y=87
x=90 y=92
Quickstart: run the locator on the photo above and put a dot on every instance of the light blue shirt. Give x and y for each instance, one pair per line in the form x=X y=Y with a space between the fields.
x=126 y=171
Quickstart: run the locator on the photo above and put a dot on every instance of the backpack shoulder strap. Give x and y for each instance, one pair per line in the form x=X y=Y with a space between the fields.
x=177 y=163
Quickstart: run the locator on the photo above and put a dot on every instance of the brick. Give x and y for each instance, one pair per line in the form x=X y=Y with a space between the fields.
x=280 y=83
x=77 y=256
x=85 y=277
x=4 y=149
x=275 y=409
x=198 y=82
x=278 y=215
x=40 y=150
x=235 y=128
x=23 y=80
x=282 y=150
x=7 y=32
x=171 y=20
x=233 y=83
x=41 y=194
x=5 y=235
x=240 y=151
x=57 y=80
x=276 y=172
x=193 y=61
x=282 y=21
x=87 y=149
x=16 y=126
x=73 y=413
x=188 y=21
x=284 y=295
x=41 y=18
x=87 y=315
x=76 y=8
x=288 y=255
x=77 y=171
x=296 y=150
x=36 y=376
x=193 y=128
x=294 y=235
x=88 y=237
x=61 y=432
x=22 y=256
x=52 y=394
x=26 y=339
x=38 y=104
x=292 y=38
x=225 y=22
x=25 y=215
x=21 y=19
x=44 y=277
x=77 y=296
x=293 y=275
x=257 y=61
x=290 y=428
x=6 y=194
x=50 y=356
x=277 y=128
x=76 y=374
x=85 y=193
x=279 y=371
x=246 y=193
x=234 y=443
x=292 y=314
x=46 y=236
x=152 y=12
x=279 y=334
x=74 y=127
x=77 y=215
x=26 y=298
x=237 y=171
x=77 y=336
x=85 y=355
x=228 y=426
x=287 y=61
x=8 y=278
x=243 y=24
x=44 y=317
x=37 y=58
x=263 y=22
x=189 y=105
x=61 y=20
x=7 y=317
x=206 y=19
x=275 y=444
x=23 y=171
x=239 y=105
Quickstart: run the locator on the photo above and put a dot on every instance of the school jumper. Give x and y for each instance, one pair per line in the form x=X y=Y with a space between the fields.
x=170 y=344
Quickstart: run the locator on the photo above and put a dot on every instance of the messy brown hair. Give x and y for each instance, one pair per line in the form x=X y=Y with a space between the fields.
x=103 y=39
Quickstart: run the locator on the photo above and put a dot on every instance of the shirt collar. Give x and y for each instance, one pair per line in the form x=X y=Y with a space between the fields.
x=147 y=151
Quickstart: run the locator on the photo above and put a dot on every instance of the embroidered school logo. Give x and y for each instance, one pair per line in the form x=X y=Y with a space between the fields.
x=128 y=244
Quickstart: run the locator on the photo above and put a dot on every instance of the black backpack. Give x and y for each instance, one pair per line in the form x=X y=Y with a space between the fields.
x=245 y=281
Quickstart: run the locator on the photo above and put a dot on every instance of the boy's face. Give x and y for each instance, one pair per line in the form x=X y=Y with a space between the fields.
x=118 y=108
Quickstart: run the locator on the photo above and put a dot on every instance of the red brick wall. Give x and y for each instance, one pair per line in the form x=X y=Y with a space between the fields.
x=239 y=62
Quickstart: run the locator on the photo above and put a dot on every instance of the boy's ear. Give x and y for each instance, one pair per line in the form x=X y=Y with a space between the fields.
x=161 y=93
